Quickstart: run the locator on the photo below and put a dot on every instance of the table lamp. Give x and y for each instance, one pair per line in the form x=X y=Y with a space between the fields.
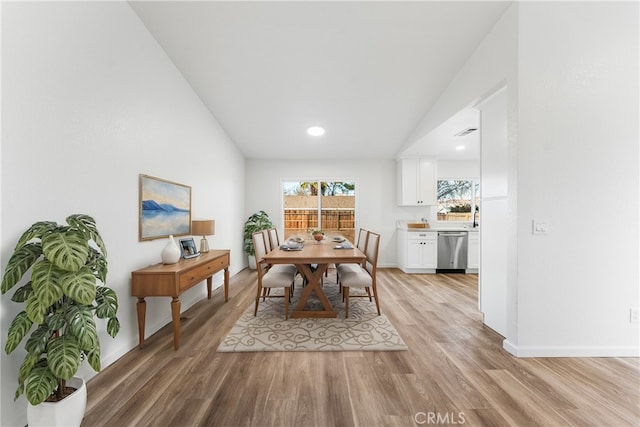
x=203 y=227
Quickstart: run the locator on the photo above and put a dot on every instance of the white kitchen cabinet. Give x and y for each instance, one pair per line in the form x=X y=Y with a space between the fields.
x=417 y=182
x=473 y=251
x=417 y=251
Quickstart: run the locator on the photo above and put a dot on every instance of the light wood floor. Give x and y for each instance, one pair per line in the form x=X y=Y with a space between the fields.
x=455 y=372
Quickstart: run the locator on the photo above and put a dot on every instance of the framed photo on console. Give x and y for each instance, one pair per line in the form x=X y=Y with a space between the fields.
x=188 y=248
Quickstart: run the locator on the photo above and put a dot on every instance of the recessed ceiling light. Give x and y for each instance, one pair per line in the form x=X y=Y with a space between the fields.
x=460 y=148
x=315 y=131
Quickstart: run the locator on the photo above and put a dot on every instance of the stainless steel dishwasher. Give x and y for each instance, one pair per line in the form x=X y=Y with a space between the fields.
x=452 y=250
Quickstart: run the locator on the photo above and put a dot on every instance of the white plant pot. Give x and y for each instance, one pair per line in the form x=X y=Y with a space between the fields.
x=252 y=262
x=67 y=412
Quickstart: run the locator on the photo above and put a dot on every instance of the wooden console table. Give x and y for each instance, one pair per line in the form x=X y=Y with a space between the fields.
x=171 y=280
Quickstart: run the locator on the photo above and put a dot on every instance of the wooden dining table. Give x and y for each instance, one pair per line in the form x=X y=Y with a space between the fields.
x=322 y=254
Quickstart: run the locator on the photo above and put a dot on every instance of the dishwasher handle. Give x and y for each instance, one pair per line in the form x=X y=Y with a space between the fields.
x=452 y=234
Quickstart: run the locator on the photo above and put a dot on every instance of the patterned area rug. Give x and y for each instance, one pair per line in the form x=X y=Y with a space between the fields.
x=364 y=330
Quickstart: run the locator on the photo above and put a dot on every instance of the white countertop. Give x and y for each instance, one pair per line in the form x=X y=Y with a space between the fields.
x=451 y=228
x=421 y=230
x=403 y=226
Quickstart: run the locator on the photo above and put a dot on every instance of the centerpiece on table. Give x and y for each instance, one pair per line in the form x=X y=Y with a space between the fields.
x=317 y=234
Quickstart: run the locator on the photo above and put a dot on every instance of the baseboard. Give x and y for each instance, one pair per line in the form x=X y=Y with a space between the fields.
x=520 y=351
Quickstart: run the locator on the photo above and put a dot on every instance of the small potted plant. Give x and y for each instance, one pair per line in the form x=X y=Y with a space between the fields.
x=256 y=222
x=317 y=234
x=65 y=293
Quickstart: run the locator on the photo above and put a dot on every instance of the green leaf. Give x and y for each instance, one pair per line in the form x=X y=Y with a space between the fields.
x=113 y=327
x=37 y=342
x=41 y=382
x=36 y=231
x=98 y=264
x=35 y=309
x=21 y=260
x=56 y=321
x=83 y=327
x=68 y=251
x=22 y=293
x=80 y=286
x=19 y=327
x=93 y=358
x=24 y=371
x=63 y=356
x=107 y=302
x=87 y=225
x=45 y=280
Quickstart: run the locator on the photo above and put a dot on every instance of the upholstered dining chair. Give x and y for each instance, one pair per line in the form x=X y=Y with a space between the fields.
x=274 y=238
x=361 y=244
x=275 y=276
x=267 y=239
x=274 y=243
x=362 y=277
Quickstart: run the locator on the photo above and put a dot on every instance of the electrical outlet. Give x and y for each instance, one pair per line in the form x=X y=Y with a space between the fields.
x=634 y=315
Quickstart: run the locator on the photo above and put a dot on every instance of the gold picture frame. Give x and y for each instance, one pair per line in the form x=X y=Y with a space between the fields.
x=164 y=208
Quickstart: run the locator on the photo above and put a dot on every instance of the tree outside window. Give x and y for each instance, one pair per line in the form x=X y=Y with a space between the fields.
x=457 y=199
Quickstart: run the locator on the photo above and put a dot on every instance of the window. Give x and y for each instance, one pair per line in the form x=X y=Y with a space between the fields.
x=328 y=205
x=457 y=199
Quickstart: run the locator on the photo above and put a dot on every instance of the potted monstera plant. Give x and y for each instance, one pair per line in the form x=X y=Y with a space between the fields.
x=62 y=297
x=256 y=222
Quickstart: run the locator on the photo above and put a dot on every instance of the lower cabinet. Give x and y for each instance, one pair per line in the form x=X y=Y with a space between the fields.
x=473 y=251
x=417 y=251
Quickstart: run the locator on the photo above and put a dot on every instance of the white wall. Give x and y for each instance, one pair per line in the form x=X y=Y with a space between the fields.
x=492 y=286
x=578 y=169
x=375 y=193
x=89 y=102
x=458 y=169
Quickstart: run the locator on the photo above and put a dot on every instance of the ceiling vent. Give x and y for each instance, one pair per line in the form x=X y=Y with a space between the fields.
x=466 y=132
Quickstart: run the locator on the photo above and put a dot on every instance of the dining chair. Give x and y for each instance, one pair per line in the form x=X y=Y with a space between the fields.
x=274 y=242
x=360 y=244
x=362 y=277
x=274 y=276
x=268 y=247
x=274 y=238
x=267 y=239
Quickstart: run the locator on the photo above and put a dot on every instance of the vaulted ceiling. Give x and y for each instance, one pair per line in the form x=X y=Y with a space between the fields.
x=367 y=72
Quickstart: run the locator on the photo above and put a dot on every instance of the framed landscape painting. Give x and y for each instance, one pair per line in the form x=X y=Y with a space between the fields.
x=165 y=208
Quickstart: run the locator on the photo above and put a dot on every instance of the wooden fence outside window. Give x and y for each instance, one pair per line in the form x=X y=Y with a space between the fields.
x=334 y=222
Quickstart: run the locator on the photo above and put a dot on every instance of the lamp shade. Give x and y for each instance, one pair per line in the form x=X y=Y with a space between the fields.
x=203 y=227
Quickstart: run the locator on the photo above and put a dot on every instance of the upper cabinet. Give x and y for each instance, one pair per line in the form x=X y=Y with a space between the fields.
x=417 y=182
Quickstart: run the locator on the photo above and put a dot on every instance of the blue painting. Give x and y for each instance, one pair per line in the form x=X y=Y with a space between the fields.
x=165 y=208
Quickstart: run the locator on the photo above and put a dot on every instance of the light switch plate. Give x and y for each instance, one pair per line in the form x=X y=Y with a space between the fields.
x=540 y=226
